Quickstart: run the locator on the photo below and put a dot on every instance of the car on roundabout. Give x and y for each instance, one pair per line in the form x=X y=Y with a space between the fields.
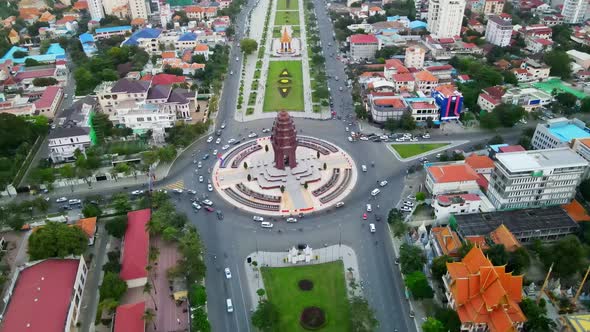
x=365 y=216
x=207 y=202
x=258 y=218
x=291 y=219
x=209 y=209
x=266 y=224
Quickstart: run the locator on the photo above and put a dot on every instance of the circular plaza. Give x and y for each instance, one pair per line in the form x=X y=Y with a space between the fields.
x=284 y=174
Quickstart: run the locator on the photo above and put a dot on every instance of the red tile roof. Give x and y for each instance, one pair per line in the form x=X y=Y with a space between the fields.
x=41 y=297
x=452 y=173
x=466 y=197
x=403 y=77
x=477 y=161
x=49 y=72
x=425 y=76
x=128 y=318
x=393 y=102
x=167 y=79
x=135 y=245
x=441 y=68
x=423 y=105
x=490 y=99
x=447 y=240
x=495 y=91
x=503 y=236
x=363 y=39
x=47 y=97
x=81 y=5
x=544 y=42
x=511 y=148
x=88 y=225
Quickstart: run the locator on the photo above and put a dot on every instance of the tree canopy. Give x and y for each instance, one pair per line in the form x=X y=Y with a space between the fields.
x=418 y=285
x=266 y=317
x=112 y=287
x=362 y=316
x=433 y=325
x=57 y=240
x=248 y=45
x=116 y=226
x=411 y=258
x=559 y=62
x=537 y=319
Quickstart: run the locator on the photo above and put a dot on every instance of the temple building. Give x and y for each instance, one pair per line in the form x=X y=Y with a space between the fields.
x=286 y=45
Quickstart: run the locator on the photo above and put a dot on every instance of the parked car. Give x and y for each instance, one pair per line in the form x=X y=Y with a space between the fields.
x=405 y=209
x=364 y=216
x=409 y=203
x=369 y=208
x=231 y=140
x=137 y=192
x=74 y=201
x=218 y=140
x=192 y=192
x=196 y=206
x=200 y=178
x=61 y=200
x=210 y=139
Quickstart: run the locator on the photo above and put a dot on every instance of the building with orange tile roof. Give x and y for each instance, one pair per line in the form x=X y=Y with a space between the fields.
x=485 y=296
x=445 y=178
x=169 y=55
x=576 y=211
x=81 y=5
x=13 y=37
x=47 y=17
x=88 y=225
x=503 y=236
x=445 y=241
x=425 y=82
x=480 y=164
x=202 y=49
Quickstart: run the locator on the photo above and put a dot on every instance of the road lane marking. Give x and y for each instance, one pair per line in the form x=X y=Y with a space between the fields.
x=243 y=300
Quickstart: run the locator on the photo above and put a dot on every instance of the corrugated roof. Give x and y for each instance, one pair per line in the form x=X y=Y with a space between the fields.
x=129 y=318
x=135 y=245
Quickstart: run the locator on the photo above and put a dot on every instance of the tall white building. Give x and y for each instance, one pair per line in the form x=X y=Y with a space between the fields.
x=138 y=9
x=445 y=17
x=537 y=178
x=414 y=57
x=95 y=9
x=574 y=11
x=498 y=31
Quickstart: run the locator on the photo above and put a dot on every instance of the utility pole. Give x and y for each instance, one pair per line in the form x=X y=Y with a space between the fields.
x=544 y=283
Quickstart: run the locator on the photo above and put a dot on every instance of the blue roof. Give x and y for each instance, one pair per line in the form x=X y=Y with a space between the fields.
x=86 y=38
x=189 y=36
x=113 y=29
x=53 y=53
x=418 y=25
x=496 y=147
x=568 y=132
x=146 y=33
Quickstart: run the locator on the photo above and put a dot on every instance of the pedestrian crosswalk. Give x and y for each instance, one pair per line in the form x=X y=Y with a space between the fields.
x=175 y=185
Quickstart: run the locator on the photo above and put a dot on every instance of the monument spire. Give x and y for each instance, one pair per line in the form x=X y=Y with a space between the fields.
x=284 y=141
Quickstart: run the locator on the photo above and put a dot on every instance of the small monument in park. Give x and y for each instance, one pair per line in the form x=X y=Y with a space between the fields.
x=286 y=45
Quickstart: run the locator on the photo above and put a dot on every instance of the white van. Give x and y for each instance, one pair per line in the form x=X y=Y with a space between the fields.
x=230 y=307
x=372 y=228
x=375 y=192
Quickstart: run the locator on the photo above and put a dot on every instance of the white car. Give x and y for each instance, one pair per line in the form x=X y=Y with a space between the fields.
x=231 y=140
x=372 y=228
x=207 y=202
x=215 y=152
x=405 y=209
x=364 y=138
x=266 y=130
x=178 y=191
x=192 y=192
x=137 y=192
x=266 y=224
x=196 y=206
x=218 y=141
x=369 y=208
x=383 y=183
x=252 y=135
x=61 y=200
x=339 y=204
x=74 y=201
x=291 y=219
x=237 y=59
x=225 y=147
x=210 y=139
x=399 y=139
x=199 y=164
x=350 y=139
x=408 y=204
x=200 y=178
x=384 y=137
x=427 y=135
x=347 y=130
x=223 y=125
x=411 y=197
x=414 y=139
x=364 y=168
x=209 y=187
x=258 y=218
x=227 y=273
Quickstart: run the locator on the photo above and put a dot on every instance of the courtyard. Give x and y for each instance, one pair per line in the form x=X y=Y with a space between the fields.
x=328 y=293
x=284 y=87
x=411 y=150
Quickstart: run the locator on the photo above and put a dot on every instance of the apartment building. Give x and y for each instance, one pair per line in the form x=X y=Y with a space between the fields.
x=414 y=57
x=574 y=11
x=63 y=143
x=138 y=9
x=560 y=132
x=445 y=17
x=537 y=178
x=498 y=31
x=363 y=46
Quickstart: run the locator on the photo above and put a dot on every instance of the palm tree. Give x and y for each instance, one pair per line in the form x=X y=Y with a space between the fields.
x=154 y=254
x=149 y=316
x=147 y=288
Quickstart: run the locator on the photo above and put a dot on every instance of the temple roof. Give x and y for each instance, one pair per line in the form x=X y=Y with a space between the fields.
x=285 y=38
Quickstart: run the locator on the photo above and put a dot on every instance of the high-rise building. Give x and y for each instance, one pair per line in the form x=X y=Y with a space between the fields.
x=537 y=178
x=445 y=17
x=138 y=9
x=95 y=9
x=414 y=57
x=574 y=11
x=498 y=31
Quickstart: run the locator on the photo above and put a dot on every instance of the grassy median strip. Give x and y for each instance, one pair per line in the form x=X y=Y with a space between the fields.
x=410 y=150
x=328 y=293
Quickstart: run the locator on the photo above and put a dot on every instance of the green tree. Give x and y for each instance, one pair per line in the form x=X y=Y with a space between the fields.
x=57 y=240
x=121 y=203
x=518 y=261
x=418 y=285
x=411 y=258
x=116 y=226
x=266 y=317
x=197 y=295
x=559 y=61
x=449 y=318
x=566 y=99
x=200 y=322
x=103 y=127
x=420 y=196
x=497 y=254
x=41 y=204
x=439 y=266
x=112 y=287
x=407 y=121
x=167 y=153
x=433 y=325
x=509 y=114
x=489 y=120
x=585 y=105
x=248 y=45
x=91 y=210
x=585 y=189
x=44 y=81
x=569 y=247
x=148 y=317
x=362 y=316
x=537 y=319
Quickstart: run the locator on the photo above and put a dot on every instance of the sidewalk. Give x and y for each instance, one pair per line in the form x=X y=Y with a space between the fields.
x=275 y=259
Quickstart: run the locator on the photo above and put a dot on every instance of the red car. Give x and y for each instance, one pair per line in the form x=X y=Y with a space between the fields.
x=209 y=209
x=364 y=216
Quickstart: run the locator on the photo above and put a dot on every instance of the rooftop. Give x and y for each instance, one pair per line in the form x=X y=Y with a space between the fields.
x=503 y=236
x=113 y=29
x=478 y=162
x=130 y=86
x=48 y=97
x=135 y=245
x=128 y=317
x=363 y=39
x=536 y=160
x=517 y=221
x=41 y=297
x=452 y=173
x=447 y=240
x=62 y=132
x=567 y=130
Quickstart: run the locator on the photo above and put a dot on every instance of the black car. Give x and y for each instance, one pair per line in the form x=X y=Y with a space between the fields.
x=237 y=142
x=219 y=215
x=218 y=132
x=205 y=157
x=377 y=217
